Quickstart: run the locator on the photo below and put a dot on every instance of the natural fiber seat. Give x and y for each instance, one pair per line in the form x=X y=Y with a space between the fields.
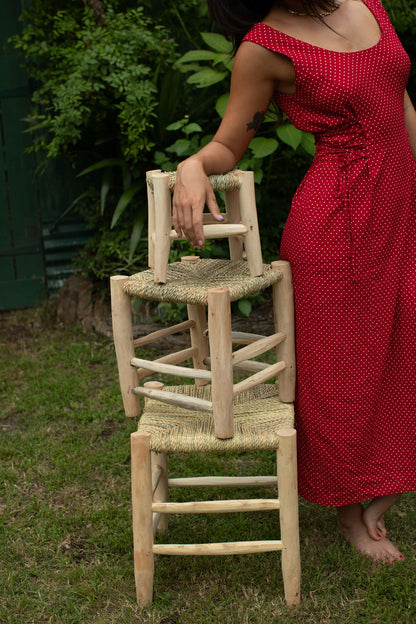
x=230 y=181
x=188 y=282
x=258 y=416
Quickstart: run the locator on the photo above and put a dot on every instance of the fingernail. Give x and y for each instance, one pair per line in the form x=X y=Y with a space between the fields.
x=221 y=218
x=179 y=236
x=378 y=535
x=401 y=557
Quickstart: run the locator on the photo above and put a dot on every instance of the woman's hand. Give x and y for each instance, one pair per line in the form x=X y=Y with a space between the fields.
x=192 y=192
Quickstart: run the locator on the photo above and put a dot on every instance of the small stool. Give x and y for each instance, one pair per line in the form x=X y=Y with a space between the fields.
x=240 y=224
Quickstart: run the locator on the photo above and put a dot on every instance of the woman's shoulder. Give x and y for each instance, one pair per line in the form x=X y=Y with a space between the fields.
x=261 y=58
x=260 y=32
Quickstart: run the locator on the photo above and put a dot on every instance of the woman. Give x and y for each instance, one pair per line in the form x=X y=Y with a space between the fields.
x=336 y=67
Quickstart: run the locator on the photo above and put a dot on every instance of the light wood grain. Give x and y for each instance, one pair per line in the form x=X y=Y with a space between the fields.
x=219 y=325
x=225 y=548
x=141 y=483
x=284 y=318
x=218 y=506
x=173 y=398
x=123 y=342
x=163 y=333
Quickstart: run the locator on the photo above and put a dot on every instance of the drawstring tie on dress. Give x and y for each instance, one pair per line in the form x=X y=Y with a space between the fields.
x=347 y=158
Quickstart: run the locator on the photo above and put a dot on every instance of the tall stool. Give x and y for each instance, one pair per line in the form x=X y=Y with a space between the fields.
x=214 y=413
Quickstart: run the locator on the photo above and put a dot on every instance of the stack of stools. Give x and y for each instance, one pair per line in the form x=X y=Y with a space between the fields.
x=213 y=413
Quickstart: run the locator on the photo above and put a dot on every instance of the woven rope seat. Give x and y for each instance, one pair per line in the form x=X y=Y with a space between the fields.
x=258 y=415
x=188 y=282
x=223 y=182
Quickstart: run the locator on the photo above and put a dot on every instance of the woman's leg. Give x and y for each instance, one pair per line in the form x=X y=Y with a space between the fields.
x=373 y=515
x=354 y=529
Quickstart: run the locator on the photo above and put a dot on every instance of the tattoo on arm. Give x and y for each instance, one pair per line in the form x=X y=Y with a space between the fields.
x=254 y=124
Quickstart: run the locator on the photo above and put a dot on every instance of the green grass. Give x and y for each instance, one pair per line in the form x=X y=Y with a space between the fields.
x=66 y=543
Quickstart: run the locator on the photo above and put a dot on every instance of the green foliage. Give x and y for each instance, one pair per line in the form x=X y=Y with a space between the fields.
x=108 y=253
x=402 y=14
x=95 y=83
x=103 y=96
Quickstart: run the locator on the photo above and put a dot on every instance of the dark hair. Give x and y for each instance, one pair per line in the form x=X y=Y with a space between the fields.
x=236 y=18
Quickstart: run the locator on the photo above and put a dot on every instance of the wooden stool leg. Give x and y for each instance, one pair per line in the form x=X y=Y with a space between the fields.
x=199 y=339
x=161 y=491
x=141 y=481
x=151 y=222
x=163 y=225
x=123 y=343
x=284 y=320
x=219 y=333
x=289 y=514
x=248 y=212
x=232 y=206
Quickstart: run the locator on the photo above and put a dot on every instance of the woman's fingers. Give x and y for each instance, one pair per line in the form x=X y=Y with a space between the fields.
x=211 y=202
x=191 y=222
x=189 y=199
x=177 y=216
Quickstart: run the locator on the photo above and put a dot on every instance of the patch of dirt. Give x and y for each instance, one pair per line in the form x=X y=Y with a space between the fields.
x=12 y=329
x=108 y=430
x=12 y=422
x=77 y=548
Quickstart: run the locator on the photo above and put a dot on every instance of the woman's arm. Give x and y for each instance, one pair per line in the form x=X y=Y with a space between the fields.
x=257 y=73
x=410 y=119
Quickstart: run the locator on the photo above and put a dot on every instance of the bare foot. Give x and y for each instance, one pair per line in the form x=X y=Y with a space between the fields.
x=354 y=530
x=373 y=515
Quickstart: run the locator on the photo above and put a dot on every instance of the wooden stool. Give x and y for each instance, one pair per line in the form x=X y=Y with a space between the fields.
x=240 y=224
x=262 y=423
x=210 y=349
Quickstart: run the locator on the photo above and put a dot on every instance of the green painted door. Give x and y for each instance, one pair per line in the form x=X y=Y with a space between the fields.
x=38 y=234
x=22 y=271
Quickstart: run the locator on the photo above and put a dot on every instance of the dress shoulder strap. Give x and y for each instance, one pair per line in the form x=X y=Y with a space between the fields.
x=378 y=10
x=270 y=38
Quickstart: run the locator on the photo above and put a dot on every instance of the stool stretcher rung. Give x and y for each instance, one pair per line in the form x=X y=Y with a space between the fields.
x=219 y=230
x=163 y=333
x=174 y=398
x=218 y=506
x=223 y=481
x=245 y=337
x=258 y=347
x=259 y=378
x=170 y=369
x=208 y=219
x=223 y=548
x=172 y=358
x=251 y=366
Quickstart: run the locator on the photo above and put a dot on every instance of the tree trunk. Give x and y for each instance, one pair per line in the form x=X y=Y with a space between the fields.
x=98 y=11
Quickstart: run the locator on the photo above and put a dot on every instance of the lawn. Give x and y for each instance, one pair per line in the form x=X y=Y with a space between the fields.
x=66 y=547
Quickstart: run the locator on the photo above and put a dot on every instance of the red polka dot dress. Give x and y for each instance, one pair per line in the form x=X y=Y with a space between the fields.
x=351 y=239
